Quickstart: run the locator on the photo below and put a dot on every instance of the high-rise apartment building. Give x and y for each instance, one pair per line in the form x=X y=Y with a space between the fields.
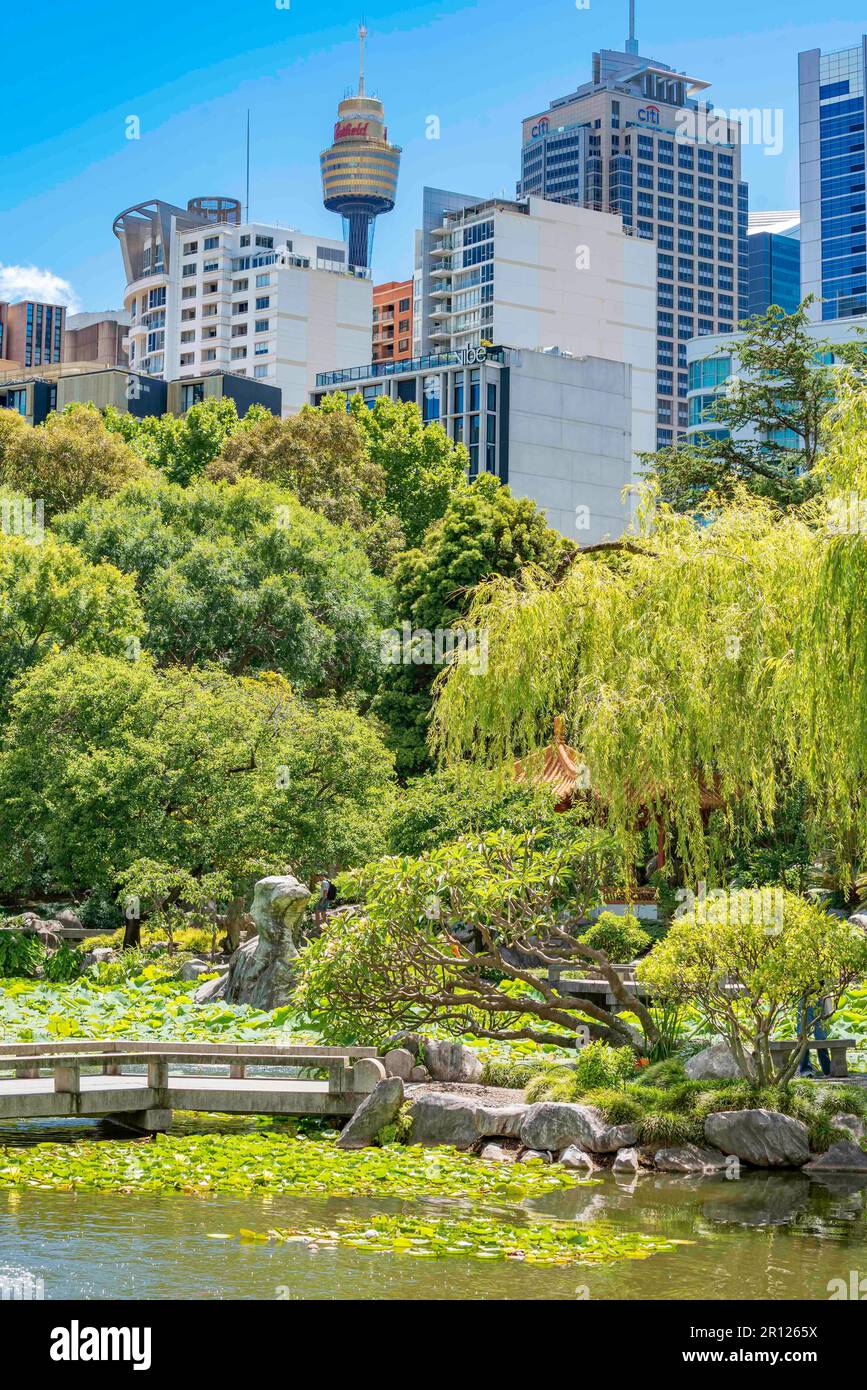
x=246 y=298
x=392 y=321
x=539 y=275
x=773 y=240
x=636 y=141
x=31 y=333
x=832 y=91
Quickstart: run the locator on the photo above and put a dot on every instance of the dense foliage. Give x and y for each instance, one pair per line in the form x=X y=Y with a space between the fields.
x=70 y=457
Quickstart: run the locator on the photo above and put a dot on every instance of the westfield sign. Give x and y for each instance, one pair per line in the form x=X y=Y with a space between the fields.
x=345 y=130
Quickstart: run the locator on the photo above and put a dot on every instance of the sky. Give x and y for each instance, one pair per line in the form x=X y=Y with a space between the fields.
x=75 y=71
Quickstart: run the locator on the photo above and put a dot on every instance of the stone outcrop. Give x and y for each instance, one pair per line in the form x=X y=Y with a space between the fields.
x=30 y=924
x=761 y=1137
x=714 y=1063
x=853 y=1123
x=689 y=1158
x=626 y=1161
x=399 y=1061
x=553 y=1125
x=440 y=1117
x=843 y=1157
x=579 y=1159
x=261 y=972
x=444 y=1060
x=373 y=1114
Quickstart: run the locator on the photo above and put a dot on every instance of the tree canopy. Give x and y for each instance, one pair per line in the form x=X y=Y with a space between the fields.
x=182 y=446
x=71 y=456
x=243 y=575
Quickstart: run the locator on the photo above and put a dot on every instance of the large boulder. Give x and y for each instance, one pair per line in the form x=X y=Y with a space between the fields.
x=764 y=1138
x=262 y=971
x=853 y=1123
x=714 y=1063
x=578 y=1159
x=843 y=1157
x=372 y=1115
x=451 y=1061
x=689 y=1158
x=554 y=1125
x=439 y=1117
x=47 y=929
x=627 y=1161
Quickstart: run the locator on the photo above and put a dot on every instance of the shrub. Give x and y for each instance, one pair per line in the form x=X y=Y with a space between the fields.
x=100 y=910
x=667 y=1073
x=64 y=964
x=665 y=1127
x=555 y=1084
x=21 y=954
x=621 y=938
x=618 y=1107
x=513 y=1075
x=597 y=1064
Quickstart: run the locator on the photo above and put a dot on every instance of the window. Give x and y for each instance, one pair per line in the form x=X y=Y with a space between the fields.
x=261 y=349
x=239 y=330
x=189 y=336
x=187 y=315
x=209 y=355
x=238 y=352
x=157 y=298
x=245 y=239
x=239 y=286
x=188 y=292
x=264 y=301
x=209 y=311
x=209 y=332
x=266 y=241
x=210 y=287
x=263 y=326
x=210 y=243
x=190 y=248
x=210 y=266
x=260 y=372
x=187 y=359
x=241 y=307
x=189 y=270
x=261 y=282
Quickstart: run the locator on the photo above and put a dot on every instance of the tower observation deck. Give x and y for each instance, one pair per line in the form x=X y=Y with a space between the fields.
x=360 y=168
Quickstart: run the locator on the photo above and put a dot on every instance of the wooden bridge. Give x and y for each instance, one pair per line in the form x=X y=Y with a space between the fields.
x=92 y=1079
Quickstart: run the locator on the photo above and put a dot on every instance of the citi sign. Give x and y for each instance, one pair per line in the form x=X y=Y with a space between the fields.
x=649 y=115
x=540 y=128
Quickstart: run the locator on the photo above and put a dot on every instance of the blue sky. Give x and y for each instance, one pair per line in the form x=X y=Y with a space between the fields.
x=74 y=70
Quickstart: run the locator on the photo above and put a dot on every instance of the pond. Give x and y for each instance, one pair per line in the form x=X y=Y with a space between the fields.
x=762 y=1236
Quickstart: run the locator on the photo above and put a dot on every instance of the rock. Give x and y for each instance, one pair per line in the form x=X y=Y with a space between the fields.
x=495 y=1153
x=689 y=1158
x=399 y=1062
x=210 y=990
x=441 y=1118
x=367 y=1073
x=855 y=1125
x=67 y=918
x=451 y=1061
x=762 y=1137
x=843 y=1157
x=534 y=1156
x=715 y=1063
x=626 y=1161
x=103 y=953
x=192 y=969
x=373 y=1114
x=553 y=1125
x=32 y=925
x=573 y=1157
x=419 y=1074
x=261 y=972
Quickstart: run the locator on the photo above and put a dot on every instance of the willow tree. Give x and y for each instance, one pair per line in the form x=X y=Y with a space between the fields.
x=671 y=657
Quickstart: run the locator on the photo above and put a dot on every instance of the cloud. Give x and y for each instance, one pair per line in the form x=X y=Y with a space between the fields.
x=30 y=282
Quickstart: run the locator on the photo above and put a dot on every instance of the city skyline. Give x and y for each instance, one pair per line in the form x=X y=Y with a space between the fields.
x=64 y=186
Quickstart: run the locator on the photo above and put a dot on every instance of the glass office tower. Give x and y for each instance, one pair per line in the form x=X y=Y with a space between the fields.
x=774 y=245
x=833 y=121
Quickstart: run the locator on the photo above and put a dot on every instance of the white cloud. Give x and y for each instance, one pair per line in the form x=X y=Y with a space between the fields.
x=30 y=282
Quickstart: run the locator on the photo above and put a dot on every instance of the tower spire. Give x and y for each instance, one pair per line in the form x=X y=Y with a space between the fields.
x=632 y=42
x=362 y=34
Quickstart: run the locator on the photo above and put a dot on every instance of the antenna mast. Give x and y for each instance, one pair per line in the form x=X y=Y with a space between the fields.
x=247 y=214
x=362 y=34
x=631 y=42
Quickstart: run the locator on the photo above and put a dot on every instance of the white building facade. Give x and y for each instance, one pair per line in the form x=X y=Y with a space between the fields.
x=251 y=299
x=540 y=275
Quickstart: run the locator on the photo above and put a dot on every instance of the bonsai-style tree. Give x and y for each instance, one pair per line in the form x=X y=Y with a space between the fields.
x=463 y=937
x=750 y=961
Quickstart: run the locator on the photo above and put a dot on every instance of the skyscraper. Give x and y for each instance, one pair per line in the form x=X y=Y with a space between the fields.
x=775 y=261
x=635 y=141
x=360 y=168
x=833 y=122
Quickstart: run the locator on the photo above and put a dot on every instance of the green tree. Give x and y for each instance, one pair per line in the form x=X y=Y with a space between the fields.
x=53 y=599
x=422 y=468
x=398 y=959
x=181 y=447
x=784 y=387
x=106 y=762
x=440 y=807
x=244 y=575
x=749 y=962
x=484 y=532
x=70 y=457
